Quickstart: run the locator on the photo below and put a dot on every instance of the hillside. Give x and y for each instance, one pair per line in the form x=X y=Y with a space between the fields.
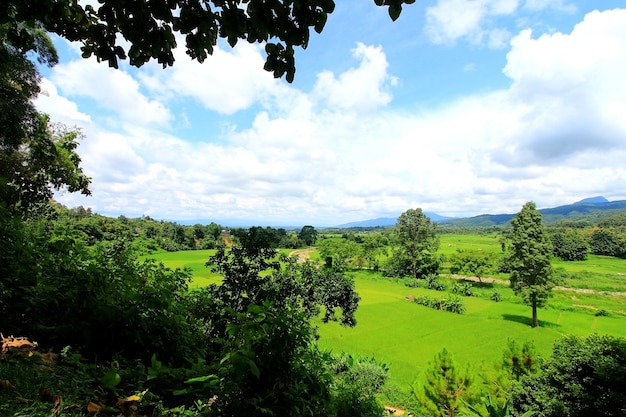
x=590 y=209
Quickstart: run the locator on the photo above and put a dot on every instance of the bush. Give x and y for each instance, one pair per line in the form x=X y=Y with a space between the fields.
x=585 y=377
x=495 y=296
x=434 y=283
x=462 y=288
x=451 y=304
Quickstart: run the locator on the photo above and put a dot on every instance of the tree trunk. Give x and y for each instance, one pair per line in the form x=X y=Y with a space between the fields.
x=535 y=320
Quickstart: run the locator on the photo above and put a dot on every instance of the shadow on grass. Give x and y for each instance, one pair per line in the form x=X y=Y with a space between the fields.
x=478 y=284
x=528 y=321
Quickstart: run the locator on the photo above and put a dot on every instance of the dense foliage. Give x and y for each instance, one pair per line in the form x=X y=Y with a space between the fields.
x=415 y=252
x=584 y=377
x=529 y=259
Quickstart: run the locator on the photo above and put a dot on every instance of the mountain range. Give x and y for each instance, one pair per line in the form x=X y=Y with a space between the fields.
x=591 y=208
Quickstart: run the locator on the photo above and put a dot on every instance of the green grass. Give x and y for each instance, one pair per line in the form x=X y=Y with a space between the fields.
x=192 y=259
x=451 y=243
x=406 y=336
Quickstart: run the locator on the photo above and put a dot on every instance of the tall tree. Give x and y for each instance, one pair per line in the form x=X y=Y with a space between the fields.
x=308 y=235
x=35 y=156
x=416 y=253
x=144 y=30
x=529 y=259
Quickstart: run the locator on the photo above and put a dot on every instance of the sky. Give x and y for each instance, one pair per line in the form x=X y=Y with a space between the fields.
x=460 y=107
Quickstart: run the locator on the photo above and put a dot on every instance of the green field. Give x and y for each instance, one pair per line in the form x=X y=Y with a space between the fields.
x=406 y=336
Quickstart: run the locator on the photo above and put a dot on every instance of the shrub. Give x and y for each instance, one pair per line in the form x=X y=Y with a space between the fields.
x=495 y=296
x=584 y=377
x=434 y=283
x=462 y=288
x=451 y=304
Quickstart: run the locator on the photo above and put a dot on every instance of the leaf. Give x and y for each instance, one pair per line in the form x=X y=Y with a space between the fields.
x=254 y=369
x=200 y=379
x=110 y=379
x=93 y=408
x=394 y=11
x=4 y=383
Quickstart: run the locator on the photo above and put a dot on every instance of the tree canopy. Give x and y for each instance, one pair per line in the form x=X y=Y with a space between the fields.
x=529 y=259
x=416 y=252
x=141 y=31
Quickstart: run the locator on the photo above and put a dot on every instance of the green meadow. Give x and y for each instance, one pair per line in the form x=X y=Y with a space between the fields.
x=406 y=336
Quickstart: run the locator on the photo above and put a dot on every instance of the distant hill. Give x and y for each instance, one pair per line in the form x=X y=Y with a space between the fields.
x=590 y=209
x=389 y=221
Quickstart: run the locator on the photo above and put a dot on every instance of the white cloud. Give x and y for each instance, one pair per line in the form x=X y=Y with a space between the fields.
x=113 y=90
x=65 y=111
x=560 y=5
x=450 y=20
x=363 y=88
x=226 y=82
x=322 y=156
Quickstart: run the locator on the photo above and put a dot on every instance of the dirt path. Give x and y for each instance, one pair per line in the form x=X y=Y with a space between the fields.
x=302 y=254
x=558 y=288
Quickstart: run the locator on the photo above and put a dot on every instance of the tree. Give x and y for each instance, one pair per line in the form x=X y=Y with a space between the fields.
x=308 y=235
x=475 y=263
x=608 y=241
x=586 y=376
x=445 y=387
x=529 y=259
x=569 y=245
x=416 y=253
x=35 y=156
x=144 y=30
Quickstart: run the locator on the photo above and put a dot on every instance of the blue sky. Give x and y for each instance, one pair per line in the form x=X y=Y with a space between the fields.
x=460 y=107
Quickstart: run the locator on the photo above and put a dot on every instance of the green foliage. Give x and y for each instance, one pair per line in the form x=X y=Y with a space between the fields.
x=444 y=387
x=495 y=296
x=462 y=288
x=150 y=29
x=520 y=361
x=308 y=235
x=453 y=304
x=416 y=252
x=584 y=377
x=529 y=259
x=356 y=382
x=608 y=241
x=337 y=249
x=476 y=264
x=569 y=245
x=434 y=283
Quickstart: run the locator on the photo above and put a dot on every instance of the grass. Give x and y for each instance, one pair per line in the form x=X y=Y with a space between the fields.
x=195 y=260
x=407 y=336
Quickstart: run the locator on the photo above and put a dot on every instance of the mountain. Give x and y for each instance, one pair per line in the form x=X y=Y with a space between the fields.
x=589 y=209
x=390 y=221
x=593 y=200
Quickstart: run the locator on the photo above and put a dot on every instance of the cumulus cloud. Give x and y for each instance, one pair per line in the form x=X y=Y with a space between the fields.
x=363 y=88
x=115 y=91
x=450 y=20
x=571 y=87
x=324 y=156
x=226 y=82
